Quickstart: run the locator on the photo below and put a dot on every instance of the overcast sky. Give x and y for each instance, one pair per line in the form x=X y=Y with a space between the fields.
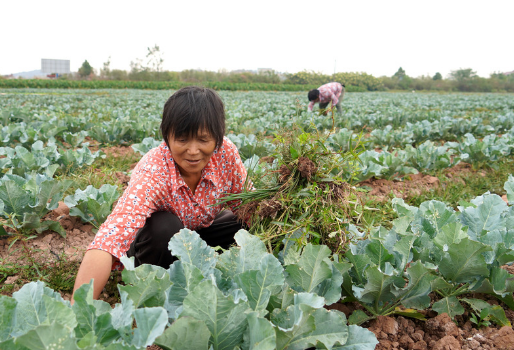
x=375 y=36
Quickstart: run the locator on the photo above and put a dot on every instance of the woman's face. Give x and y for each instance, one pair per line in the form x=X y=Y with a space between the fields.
x=191 y=154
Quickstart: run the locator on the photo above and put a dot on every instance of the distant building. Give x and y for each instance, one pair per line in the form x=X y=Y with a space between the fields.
x=242 y=71
x=264 y=70
x=508 y=73
x=49 y=66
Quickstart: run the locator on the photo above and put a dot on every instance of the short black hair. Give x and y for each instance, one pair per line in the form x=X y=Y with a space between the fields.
x=193 y=109
x=313 y=95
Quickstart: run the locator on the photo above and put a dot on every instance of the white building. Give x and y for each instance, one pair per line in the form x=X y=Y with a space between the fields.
x=49 y=66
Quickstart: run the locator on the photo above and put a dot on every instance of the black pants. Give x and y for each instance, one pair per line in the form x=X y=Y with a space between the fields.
x=151 y=243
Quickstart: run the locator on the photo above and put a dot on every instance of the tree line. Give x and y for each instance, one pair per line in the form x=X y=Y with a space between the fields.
x=150 y=69
x=464 y=80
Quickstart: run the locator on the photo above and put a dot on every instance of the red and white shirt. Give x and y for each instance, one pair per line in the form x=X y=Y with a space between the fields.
x=156 y=185
x=328 y=92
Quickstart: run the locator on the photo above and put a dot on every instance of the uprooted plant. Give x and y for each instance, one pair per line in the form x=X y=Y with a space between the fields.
x=303 y=192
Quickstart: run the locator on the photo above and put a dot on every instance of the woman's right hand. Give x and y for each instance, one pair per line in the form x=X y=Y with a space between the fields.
x=95 y=265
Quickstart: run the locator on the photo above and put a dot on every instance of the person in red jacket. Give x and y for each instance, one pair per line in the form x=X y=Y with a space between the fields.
x=330 y=92
x=174 y=186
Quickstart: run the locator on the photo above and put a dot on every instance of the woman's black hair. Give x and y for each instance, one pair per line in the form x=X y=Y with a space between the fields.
x=193 y=109
x=313 y=95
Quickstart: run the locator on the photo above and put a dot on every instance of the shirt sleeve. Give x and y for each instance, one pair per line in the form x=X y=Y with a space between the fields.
x=334 y=99
x=311 y=106
x=238 y=179
x=141 y=198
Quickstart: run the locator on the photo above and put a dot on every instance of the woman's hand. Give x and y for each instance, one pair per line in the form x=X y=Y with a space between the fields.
x=95 y=265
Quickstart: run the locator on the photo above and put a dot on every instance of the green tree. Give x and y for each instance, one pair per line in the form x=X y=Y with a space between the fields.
x=400 y=74
x=437 y=76
x=86 y=69
x=467 y=80
x=463 y=74
x=155 y=58
x=106 y=70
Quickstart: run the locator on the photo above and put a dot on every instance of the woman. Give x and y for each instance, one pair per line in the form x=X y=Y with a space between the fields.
x=174 y=186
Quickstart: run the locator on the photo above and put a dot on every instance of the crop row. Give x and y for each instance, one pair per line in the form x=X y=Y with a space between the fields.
x=247 y=298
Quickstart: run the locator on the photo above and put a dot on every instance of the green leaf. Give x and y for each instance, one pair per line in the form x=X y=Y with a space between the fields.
x=122 y=317
x=301 y=326
x=7 y=316
x=97 y=212
x=360 y=263
x=449 y=305
x=109 y=193
x=225 y=319
x=330 y=288
x=257 y=284
x=15 y=199
x=311 y=269
x=358 y=317
x=31 y=310
x=186 y=333
x=500 y=283
x=378 y=254
x=189 y=247
x=487 y=311
x=436 y=215
x=54 y=226
x=509 y=187
x=185 y=278
x=476 y=304
x=146 y=285
x=31 y=222
x=380 y=289
x=464 y=261
x=409 y=313
x=404 y=249
x=248 y=257
x=294 y=152
x=50 y=193
x=415 y=294
x=487 y=216
x=497 y=315
x=358 y=339
x=92 y=205
x=59 y=311
x=293 y=324
x=403 y=209
x=331 y=328
x=450 y=234
x=150 y=322
x=45 y=337
x=439 y=284
x=93 y=316
x=76 y=211
x=260 y=334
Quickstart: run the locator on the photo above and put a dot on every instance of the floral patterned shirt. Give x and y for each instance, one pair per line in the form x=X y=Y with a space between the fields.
x=328 y=92
x=156 y=185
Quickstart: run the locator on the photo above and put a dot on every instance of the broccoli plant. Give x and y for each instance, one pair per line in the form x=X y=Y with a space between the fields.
x=92 y=205
x=24 y=201
x=244 y=298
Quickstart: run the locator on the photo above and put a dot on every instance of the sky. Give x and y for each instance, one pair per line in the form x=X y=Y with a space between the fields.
x=372 y=36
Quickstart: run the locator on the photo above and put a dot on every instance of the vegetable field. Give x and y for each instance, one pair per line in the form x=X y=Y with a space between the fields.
x=343 y=240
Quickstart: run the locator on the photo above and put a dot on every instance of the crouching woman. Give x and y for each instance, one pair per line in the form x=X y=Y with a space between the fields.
x=174 y=186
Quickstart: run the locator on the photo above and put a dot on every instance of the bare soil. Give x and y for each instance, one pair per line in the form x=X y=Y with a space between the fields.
x=437 y=333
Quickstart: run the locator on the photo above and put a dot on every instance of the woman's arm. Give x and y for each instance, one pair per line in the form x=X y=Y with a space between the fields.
x=96 y=265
